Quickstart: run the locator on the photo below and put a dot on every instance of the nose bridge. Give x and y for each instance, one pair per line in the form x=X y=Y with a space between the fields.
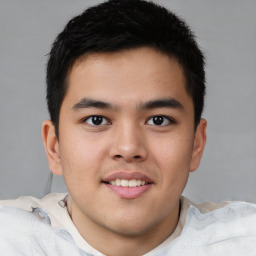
x=128 y=142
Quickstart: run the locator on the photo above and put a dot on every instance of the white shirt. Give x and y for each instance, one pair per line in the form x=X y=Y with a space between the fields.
x=196 y=221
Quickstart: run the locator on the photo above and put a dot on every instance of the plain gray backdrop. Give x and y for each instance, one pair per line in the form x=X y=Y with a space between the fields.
x=226 y=32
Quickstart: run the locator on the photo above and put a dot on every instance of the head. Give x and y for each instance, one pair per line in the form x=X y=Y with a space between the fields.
x=125 y=91
x=118 y=25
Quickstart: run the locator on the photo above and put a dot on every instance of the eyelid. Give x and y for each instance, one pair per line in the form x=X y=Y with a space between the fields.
x=85 y=119
x=170 y=120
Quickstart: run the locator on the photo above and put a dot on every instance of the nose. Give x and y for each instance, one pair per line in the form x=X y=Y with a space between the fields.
x=128 y=144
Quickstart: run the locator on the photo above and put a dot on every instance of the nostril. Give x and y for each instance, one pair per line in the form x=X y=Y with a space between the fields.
x=135 y=157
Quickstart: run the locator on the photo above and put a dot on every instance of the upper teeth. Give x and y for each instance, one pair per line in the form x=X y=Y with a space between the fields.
x=127 y=183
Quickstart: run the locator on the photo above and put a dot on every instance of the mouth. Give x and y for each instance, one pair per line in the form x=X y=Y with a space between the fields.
x=128 y=185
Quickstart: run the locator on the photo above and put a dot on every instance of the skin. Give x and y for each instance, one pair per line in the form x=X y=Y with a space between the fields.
x=128 y=140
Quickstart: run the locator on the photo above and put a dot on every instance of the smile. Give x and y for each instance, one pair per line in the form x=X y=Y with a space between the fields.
x=126 y=192
x=128 y=183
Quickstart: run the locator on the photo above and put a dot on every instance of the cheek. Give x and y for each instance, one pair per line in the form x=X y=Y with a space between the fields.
x=171 y=152
x=81 y=158
x=173 y=157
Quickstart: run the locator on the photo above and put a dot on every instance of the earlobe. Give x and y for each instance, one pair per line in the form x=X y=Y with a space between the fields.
x=51 y=145
x=199 y=144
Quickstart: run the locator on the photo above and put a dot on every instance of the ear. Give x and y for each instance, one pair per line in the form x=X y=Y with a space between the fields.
x=51 y=145
x=199 y=144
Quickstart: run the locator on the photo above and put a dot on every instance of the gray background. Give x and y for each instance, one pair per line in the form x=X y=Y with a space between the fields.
x=226 y=31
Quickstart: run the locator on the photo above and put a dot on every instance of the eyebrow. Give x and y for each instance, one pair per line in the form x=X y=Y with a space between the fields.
x=90 y=103
x=152 y=104
x=162 y=103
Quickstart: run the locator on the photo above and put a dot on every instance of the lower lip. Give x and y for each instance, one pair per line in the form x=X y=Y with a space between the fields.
x=129 y=192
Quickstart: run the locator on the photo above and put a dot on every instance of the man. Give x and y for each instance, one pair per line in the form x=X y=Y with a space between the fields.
x=125 y=93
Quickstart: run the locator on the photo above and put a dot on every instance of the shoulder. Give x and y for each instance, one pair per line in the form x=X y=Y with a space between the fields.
x=204 y=207
x=30 y=210
x=228 y=228
x=26 y=202
x=52 y=204
x=29 y=232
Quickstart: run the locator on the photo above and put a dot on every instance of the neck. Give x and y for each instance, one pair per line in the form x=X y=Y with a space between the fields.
x=117 y=244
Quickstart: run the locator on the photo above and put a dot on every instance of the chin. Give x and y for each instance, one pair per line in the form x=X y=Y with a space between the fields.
x=130 y=231
x=132 y=228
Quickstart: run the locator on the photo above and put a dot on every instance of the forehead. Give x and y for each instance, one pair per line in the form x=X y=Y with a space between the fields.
x=137 y=75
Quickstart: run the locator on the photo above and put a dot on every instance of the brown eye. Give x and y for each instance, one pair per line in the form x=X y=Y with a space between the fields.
x=159 y=121
x=96 y=120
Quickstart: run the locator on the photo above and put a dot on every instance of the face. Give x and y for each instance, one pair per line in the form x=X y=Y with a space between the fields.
x=126 y=141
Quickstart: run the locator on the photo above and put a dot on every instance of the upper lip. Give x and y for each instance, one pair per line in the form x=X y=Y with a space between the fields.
x=127 y=176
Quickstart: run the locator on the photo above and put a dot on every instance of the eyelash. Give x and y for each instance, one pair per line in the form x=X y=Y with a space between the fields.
x=107 y=122
x=169 y=120
x=85 y=120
